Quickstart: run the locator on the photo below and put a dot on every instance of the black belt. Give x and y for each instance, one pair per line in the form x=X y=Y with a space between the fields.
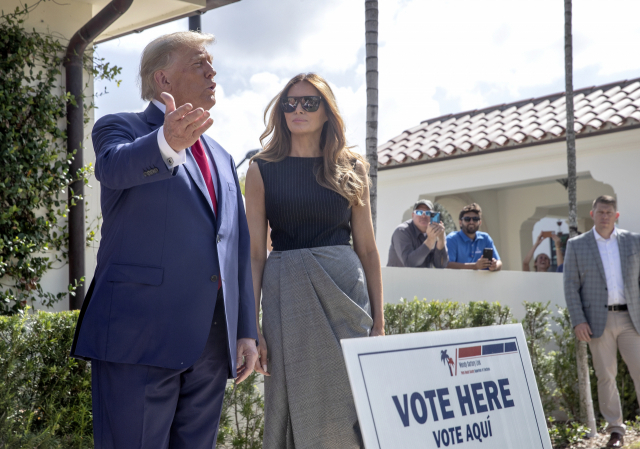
x=618 y=308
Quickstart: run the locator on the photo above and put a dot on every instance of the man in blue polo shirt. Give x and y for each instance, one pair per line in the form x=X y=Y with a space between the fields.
x=466 y=246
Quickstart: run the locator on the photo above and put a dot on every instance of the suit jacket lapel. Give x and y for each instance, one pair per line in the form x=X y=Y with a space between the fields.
x=192 y=168
x=222 y=175
x=595 y=252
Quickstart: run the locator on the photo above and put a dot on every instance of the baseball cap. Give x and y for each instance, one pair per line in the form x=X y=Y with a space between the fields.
x=427 y=203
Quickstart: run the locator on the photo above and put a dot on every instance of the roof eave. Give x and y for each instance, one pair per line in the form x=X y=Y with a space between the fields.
x=394 y=164
x=211 y=4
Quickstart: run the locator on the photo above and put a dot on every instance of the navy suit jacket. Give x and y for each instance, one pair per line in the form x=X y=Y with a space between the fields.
x=154 y=289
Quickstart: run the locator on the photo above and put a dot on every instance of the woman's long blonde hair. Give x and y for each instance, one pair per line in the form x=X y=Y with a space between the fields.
x=338 y=171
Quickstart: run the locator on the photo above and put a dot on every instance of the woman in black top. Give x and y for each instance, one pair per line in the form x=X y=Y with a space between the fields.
x=313 y=192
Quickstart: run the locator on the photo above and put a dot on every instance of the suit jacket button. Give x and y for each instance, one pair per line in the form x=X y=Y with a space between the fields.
x=214 y=278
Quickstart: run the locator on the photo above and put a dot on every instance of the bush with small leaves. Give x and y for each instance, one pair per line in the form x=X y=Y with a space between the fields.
x=34 y=173
x=45 y=396
x=424 y=316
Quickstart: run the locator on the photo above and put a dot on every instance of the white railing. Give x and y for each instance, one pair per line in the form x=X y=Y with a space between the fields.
x=509 y=288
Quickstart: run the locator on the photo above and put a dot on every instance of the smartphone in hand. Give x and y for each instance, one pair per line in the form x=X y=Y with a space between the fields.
x=487 y=253
x=435 y=217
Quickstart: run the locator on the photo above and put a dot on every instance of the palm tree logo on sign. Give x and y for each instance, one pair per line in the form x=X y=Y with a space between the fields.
x=448 y=361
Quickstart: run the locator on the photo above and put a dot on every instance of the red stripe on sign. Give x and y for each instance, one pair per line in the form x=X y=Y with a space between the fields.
x=472 y=351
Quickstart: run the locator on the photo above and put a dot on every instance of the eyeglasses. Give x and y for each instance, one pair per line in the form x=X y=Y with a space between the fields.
x=420 y=213
x=468 y=219
x=309 y=104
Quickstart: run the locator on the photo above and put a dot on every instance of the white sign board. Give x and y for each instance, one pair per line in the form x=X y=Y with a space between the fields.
x=470 y=387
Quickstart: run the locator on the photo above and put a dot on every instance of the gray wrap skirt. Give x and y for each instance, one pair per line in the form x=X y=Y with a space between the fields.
x=311 y=299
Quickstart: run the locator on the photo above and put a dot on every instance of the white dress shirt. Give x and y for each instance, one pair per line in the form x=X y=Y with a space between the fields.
x=170 y=157
x=610 y=255
x=173 y=159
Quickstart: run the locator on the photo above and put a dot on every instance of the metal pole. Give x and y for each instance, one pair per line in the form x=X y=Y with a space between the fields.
x=195 y=23
x=75 y=136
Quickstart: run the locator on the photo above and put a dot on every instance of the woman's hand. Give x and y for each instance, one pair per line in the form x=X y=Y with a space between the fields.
x=377 y=331
x=539 y=239
x=261 y=363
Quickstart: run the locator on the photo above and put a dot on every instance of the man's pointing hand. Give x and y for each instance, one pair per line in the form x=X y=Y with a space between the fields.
x=183 y=126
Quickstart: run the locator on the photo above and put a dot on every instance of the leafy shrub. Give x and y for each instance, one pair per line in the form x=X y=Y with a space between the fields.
x=536 y=326
x=424 y=316
x=45 y=396
x=565 y=373
x=242 y=419
x=34 y=173
x=566 y=434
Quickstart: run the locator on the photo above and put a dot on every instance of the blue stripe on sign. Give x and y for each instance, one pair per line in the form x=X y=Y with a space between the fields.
x=493 y=349
x=510 y=347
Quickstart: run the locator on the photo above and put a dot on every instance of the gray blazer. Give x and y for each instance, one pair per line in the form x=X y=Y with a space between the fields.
x=585 y=285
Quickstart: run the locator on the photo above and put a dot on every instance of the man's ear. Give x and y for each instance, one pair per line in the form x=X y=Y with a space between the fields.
x=617 y=215
x=162 y=81
x=591 y=213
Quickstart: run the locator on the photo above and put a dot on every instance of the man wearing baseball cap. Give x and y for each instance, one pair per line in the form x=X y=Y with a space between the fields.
x=419 y=242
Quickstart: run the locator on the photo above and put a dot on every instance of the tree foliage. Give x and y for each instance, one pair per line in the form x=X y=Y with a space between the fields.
x=34 y=174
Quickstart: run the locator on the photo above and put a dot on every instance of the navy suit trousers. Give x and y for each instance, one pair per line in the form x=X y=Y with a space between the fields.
x=147 y=407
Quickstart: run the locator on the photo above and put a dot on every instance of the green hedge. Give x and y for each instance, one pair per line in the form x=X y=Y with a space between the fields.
x=45 y=397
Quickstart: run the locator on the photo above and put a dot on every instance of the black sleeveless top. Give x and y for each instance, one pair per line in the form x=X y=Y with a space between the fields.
x=302 y=213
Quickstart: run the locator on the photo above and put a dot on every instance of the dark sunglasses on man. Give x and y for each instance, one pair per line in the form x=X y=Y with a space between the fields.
x=468 y=219
x=308 y=103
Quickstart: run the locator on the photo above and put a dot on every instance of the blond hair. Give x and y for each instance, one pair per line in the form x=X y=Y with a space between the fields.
x=158 y=55
x=338 y=171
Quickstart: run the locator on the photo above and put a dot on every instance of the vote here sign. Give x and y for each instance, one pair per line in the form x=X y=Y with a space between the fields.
x=467 y=388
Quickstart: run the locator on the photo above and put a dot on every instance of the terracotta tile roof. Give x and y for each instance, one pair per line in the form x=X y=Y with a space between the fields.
x=612 y=107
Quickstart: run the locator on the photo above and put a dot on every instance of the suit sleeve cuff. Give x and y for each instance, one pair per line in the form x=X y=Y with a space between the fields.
x=170 y=157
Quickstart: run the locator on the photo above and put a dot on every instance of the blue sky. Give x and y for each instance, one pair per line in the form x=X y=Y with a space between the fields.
x=435 y=57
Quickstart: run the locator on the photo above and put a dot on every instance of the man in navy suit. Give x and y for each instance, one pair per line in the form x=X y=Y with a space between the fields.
x=170 y=314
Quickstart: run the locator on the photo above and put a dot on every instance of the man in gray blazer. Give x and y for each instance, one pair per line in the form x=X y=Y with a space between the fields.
x=602 y=290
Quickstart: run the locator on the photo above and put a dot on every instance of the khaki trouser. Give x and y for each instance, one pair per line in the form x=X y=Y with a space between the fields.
x=619 y=334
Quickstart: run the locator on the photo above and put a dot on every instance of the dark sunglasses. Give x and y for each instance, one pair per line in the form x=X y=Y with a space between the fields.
x=468 y=219
x=309 y=104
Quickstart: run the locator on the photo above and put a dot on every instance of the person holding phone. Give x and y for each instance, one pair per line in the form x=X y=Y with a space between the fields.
x=542 y=262
x=420 y=241
x=470 y=249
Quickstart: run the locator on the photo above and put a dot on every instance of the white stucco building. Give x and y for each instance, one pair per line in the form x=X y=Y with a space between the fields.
x=511 y=159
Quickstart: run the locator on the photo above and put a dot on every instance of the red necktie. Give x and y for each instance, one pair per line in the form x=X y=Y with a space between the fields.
x=198 y=153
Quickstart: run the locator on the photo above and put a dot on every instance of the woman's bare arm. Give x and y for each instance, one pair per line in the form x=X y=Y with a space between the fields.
x=558 y=242
x=364 y=244
x=257 y=220
x=529 y=256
